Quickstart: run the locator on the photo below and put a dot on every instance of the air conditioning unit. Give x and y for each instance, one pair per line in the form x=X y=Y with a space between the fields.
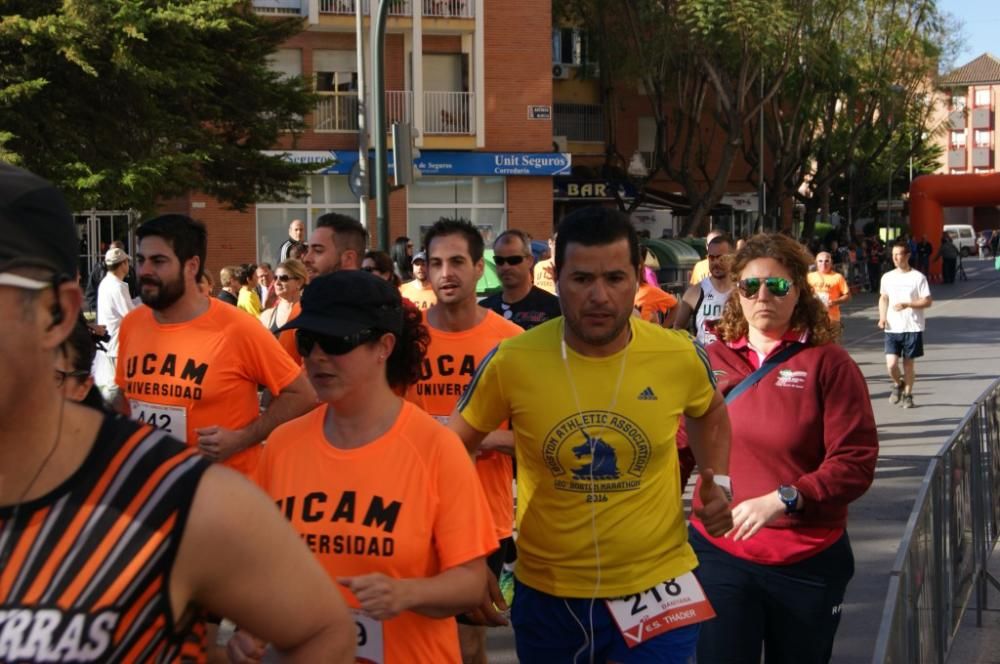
x=560 y=143
x=560 y=71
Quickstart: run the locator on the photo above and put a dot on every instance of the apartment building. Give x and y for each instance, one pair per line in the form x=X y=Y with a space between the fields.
x=970 y=144
x=472 y=76
x=581 y=128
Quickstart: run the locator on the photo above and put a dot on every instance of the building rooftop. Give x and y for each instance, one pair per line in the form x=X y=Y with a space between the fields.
x=984 y=69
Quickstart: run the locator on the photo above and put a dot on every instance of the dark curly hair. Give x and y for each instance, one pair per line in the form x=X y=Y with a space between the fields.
x=402 y=369
x=809 y=313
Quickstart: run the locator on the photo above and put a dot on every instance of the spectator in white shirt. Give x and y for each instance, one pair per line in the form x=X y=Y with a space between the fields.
x=113 y=304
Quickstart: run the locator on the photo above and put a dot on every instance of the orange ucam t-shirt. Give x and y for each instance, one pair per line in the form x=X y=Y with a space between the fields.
x=447 y=371
x=406 y=505
x=653 y=303
x=829 y=287
x=204 y=372
x=422 y=296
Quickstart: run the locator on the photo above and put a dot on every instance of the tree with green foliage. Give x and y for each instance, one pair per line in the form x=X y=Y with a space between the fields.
x=123 y=103
x=697 y=62
x=860 y=94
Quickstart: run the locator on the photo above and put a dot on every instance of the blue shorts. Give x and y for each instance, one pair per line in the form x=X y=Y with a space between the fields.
x=907 y=345
x=554 y=630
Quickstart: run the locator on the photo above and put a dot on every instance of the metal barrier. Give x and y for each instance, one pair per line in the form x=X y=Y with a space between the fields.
x=946 y=547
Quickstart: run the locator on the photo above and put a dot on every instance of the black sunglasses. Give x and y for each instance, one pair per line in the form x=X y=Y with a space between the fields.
x=508 y=260
x=776 y=286
x=305 y=341
x=61 y=375
x=285 y=277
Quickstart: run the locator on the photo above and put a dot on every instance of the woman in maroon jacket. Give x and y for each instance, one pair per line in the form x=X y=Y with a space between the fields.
x=804 y=446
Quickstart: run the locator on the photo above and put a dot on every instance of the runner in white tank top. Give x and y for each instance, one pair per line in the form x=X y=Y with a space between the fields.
x=706 y=298
x=710 y=310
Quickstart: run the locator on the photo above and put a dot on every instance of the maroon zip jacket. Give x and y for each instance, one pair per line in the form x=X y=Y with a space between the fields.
x=809 y=423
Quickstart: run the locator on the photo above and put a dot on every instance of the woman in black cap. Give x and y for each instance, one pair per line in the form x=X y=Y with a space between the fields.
x=384 y=496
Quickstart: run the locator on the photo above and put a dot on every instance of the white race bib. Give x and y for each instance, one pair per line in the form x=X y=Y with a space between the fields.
x=824 y=298
x=443 y=419
x=666 y=606
x=369 y=639
x=172 y=419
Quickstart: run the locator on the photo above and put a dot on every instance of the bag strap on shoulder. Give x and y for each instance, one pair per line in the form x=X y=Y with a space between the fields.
x=769 y=365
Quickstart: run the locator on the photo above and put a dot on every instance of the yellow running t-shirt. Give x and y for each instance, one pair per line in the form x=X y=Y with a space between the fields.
x=630 y=423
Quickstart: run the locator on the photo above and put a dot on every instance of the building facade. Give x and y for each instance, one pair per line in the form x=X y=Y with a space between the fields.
x=970 y=143
x=471 y=76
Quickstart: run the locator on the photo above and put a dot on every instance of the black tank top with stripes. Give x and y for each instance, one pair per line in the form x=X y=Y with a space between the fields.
x=87 y=566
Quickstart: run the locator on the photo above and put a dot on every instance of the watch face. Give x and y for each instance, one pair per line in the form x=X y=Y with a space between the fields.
x=788 y=493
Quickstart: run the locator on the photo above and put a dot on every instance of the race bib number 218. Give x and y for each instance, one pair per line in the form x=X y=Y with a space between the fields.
x=666 y=606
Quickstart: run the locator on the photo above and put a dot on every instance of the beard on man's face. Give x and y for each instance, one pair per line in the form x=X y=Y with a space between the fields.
x=158 y=294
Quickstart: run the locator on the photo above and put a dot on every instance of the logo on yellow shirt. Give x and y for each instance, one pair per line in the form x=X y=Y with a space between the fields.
x=596 y=451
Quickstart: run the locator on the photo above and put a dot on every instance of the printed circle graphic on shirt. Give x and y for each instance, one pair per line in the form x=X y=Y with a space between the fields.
x=596 y=450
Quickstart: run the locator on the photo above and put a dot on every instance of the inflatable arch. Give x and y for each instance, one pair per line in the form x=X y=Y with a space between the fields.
x=930 y=194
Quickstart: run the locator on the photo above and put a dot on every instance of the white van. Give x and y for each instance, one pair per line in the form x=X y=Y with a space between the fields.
x=964 y=238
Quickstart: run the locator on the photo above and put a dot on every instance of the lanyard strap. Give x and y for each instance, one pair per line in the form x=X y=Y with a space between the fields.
x=769 y=365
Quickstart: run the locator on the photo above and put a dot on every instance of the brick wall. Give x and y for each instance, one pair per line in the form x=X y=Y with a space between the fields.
x=529 y=205
x=518 y=56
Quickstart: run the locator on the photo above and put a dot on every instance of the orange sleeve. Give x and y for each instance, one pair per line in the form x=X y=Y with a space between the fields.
x=287 y=338
x=463 y=526
x=262 y=358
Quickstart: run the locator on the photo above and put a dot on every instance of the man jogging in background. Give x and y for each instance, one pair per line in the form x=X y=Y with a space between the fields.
x=191 y=365
x=829 y=286
x=114 y=537
x=419 y=291
x=702 y=269
x=706 y=298
x=520 y=302
x=594 y=398
x=462 y=334
x=904 y=294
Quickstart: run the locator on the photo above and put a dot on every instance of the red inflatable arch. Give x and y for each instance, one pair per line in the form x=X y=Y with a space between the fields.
x=930 y=194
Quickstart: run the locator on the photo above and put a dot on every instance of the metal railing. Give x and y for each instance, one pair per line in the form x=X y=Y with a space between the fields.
x=346 y=7
x=281 y=7
x=450 y=8
x=398 y=106
x=579 y=122
x=946 y=547
x=449 y=112
x=336 y=111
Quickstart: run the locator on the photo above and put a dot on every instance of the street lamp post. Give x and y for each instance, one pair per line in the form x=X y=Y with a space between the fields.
x=379 y=126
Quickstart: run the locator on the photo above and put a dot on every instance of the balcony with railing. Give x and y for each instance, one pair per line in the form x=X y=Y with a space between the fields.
x=449 y=113
x=449 y=8
x=956 y=119
x=982 y=157
x=281 y=7
x=982 y=118
x=579 y=122
x=956 y=157
x=338 y=111
x=347 y=7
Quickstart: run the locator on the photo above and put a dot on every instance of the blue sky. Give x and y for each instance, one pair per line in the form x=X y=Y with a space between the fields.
x=980 y=25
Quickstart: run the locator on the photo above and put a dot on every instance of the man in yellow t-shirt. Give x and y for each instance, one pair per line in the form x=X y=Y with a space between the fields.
x=594 y=399
x=829 y=286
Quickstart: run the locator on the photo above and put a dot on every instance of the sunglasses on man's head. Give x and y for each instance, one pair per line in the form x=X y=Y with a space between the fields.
x=508 y=260
x=305 y=341
x=776 y=286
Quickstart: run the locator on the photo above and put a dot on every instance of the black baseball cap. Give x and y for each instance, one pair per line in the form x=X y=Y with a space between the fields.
x=346 y=302
x=36 y=225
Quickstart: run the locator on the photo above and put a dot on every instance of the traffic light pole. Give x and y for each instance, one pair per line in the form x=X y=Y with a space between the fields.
x=379 y=127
